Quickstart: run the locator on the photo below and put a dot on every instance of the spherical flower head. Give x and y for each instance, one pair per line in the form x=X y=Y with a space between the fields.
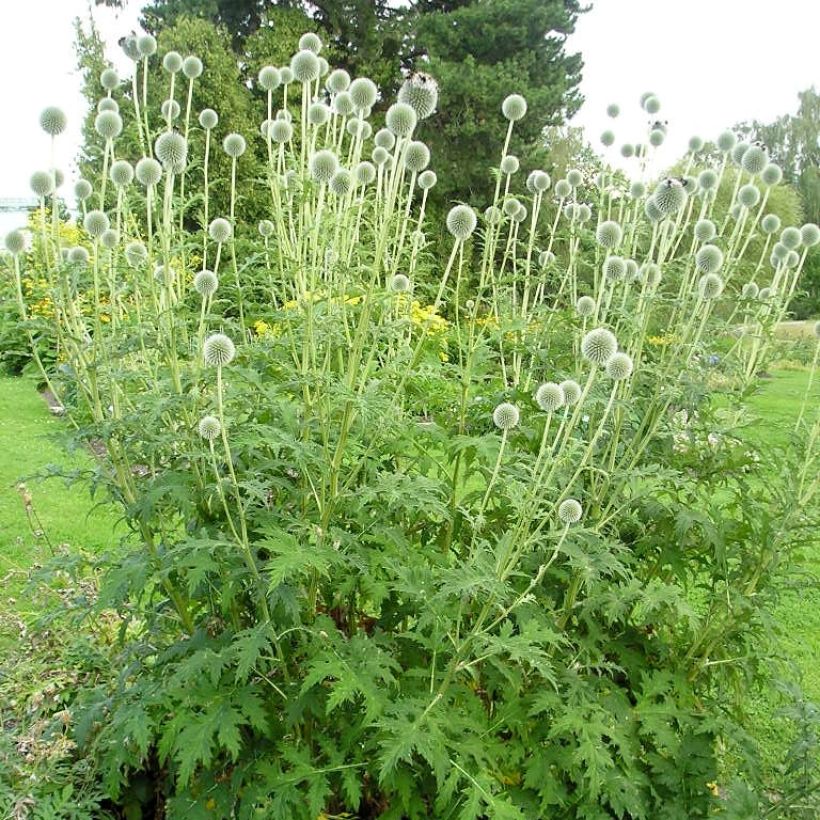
x=669 y=196
x=280 y=131
x=318 y=113
x=612 y=110
x=633 y=273
x=619 y=366
x=506 y=416
x=766 y=294
x=738 y=151
x=705 y=230
x=192 y=67
x=572 y=392
x=363 y=93
x=305 y=66
x=810 y=234
x=170 y=110
x=461 y=222
x=748 y=195
x=285 y=75
x=609 y=234
x=511 y=206
x=791 y=238
x=401 y=119
x=108 y=104
x=514 y=107
x=53 y=121
x=220 y=230
x=310 y=42
x=549 y=397
x=380 y=155
x=546 y=258
x=651 y=210
x=710 y=286
x=707 y=180
x=208 y=119
x=343 y=105
x=493 y=215
x=234 y=145
x=218 y=350
x=607 y=138
x=78 y=256
x=266 y=228
x=584 y=212
x=695 y=144
x=171 y=149
x=108 y=124
x=540 y=181
x=520 y=214
x=147 y=45
x=614 y=268
x=771 y=174
x=749 y=291
x=385 y=139
x=210 y=428
x=83 y=189
x=562 y=189
x=42 y=183
x=136 y=254
x=627 y=150
x=709 y=259
x=269 y=78
x=109 y=239
x=121 y=173
x=779 y=251
x=770 y=223
x=510 y=165
x=637 y=190
x=172 y=62
x=338 y=80
x=109 y=79
x=323 y=165
x=206 y=283
x=427 y=180
x=754 y=159
x=400 y=283
x=416 y=157
x=341 y=182
x=726 y=142
x=652 y=273
x=598 y=346
x=96 y=223
x=656 y=137
x=148 y=172
x=15 y=242
x=574 y=177
x=365 y=173
x=570 y=511
x=130 y=48
x=792 y=259
x=420 y=92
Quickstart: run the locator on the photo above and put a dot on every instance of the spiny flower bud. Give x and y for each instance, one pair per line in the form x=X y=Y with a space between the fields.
x=562 y=189
x=461 y=222
x=380 y=155
x=96 y=223
x=810 y=234
x=792 y=259
x=210 y=428
x=136 y=254
x=399 y=283
x=208 y=119
x=514 y=107
x=705 y=230
x=627 y=150
x=726 y=142
x=338 y=80
x=319 y=113
x=53 y=121
x=363 y=92
x=633 y=274
x=709 y=259
x=652 y=273
x=280 y=131
x=771 y=174
x=651 y=104
x=619 y=366
x=426 y=180
x=78 y=256
x=614 y=268
x=609 y=234
x=171 y=149
x=206 y=283
x=220 y=230
x=15 y=242
x=539 y=181
x=749 y=291
x=323 y=165
x=770 y=223
x=108 y=104
x=385 y=139
x=493 y=215
x=572 y=392
x=149 y=172
x=218 y=350
x=612 y=110
x=707 y=180
x=109 y=239
x=598 y=346
x=169 y=110
x=637 y=190
x=147 y=45
x=269 y=78
x=506 y=416
x=401 y=119
x=791 y=238
x=656 y=137
x=509 y=165
x=738 y=151
x=109 y=79
x=754 y=159
x=695 y=144
x=365 y=173
x=172 y=62
x=549 y=397
x=108 y=124
x=570 y=511
x=42 y=183
x=607 y=138
x=669 y=196
x=584 y=212
x=121 y=173
x=710 y=286
x=748 y=195
x=234 y=145
x=83 y=189
x=192 y=67
x=546 y=258
x=420 y=92
x=310 y=41
x=286 y=75
x=305 y=66
x=574 y=177
x=416 y=157
x=341 y=182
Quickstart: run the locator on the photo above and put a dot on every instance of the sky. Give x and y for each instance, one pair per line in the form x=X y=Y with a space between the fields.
x=711 y=63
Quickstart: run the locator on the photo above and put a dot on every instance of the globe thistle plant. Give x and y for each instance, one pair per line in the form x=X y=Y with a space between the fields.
x=707 y=180
x=506 y=416
x=574 y=177
x=206 y=283
x=53 y=121
x=509 y=165
x=514 y=107
x=170 y=110
x=109 y=79
x=569 y=511
x=598 y=346
x=572 y=392
x=420 y=92
x=220 y=230
x=749 y=291
x=108 y=104
x=416 y=157
x=311 y=42
x=710 y=286
x=609 y=234
x=83 y=189
x=726 y=142
x=147 y=45
x=549 y=397
x=619 y=366
x=210 y=428
x=208 y=119
x=614 y=268
x=461 y=222
x=426 y=180
x=218 y=350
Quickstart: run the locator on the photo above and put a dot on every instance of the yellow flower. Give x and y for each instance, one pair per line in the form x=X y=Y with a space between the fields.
x=713 y=787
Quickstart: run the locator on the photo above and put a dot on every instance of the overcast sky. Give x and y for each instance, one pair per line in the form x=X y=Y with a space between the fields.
x=710 y=62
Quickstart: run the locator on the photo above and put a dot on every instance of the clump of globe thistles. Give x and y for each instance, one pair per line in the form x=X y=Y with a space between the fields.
x=420 y=92
x=218 y=350
x=549 y=397
x=210 y=428
x=461 y=222
x=598 y=346
x=570 y=511
x=506 y=416
x=609 y=234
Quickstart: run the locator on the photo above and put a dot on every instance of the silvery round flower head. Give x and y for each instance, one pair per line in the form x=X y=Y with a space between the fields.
x=506 y=416
x=341 y=182
x=705 y=230
x=365 y=173
x=171 y=149
x=399 y=283
x=710 y=286
x=78 y=256
x=791 y=238
x=269 y=78
x=285 y=75
x=417 y=157
x=149 y=172
x=585 y=306
x=426 y=180
x=514 y=107
x=627 y=150
x=598 y=346
x=570 y=511
x=136 y=254
x=266 y=228
x=607 y=138
x=770 y=223
x=754 y=159
x=172 y=62
x=109 y=239
x=572 y=392
x=109 y=79
x=645 y=96
x=652 y=105
x=562 y=189
x=695 y=144
x=108 y=104
x=619 y=366
x=584 y=212
x=656 y=137
x=707 y=180
x=511 y=205
x=633 y=273
x=380 y=155
x=520 y=213
x=206 y=283
x=324 y=67
x=147 y=45
x=574 y=177
x=363 y=92
x=218 y=350
x=509 y=165
x=234 y=145
x=121 y=173
x=549 y=397
x=343 y=104
x=779 y=251
x=210 y=428
x=726 y=141
x=651 y=210
x=612 y=110
x=401 y=119
x=170 y=110
x=323 y=165
x=192 y=67
x=546 y=258
x=53 y=121
x=59 y=178
x=280 y=131
x=735 y=211
x=130 y=48
x=792 y=259
x=420 y=92
x=208 y=119
x=540 y=181
x=652 y=273
x=384 y=139
x=766 y=294
x=311 y=42
x=96 y=223
x=810 y=234
x=42 y=183
x=318 y=113
x=748 y=195
x=609 y=234
x=637 y=190
x=305 y=66
x=771 y=174
x=83 y=190
x=360 y=128
x=461 y=222
x=738 y=151
x=614 y=268
x=709 y=259
x=339 y=80
x=108 y=124
x=220 y=230
x=669 y=196
x=749 y=291
x=15 y=242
